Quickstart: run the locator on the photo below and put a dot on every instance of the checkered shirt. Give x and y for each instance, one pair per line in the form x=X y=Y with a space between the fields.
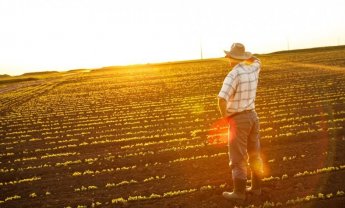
x=239 y=86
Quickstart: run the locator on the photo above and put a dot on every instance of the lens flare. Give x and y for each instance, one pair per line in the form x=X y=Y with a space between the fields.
x=219 y=133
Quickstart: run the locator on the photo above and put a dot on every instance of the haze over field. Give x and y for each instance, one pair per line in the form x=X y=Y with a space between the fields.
x=61 y=34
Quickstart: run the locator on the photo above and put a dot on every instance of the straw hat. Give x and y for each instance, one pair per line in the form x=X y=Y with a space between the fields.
x=238 y=51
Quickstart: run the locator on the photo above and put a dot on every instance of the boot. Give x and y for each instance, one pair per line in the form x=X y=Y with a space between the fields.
x=255 y=189
x=239 y=193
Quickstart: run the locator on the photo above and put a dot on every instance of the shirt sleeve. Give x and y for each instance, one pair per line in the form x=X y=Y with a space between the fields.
x=229 y=85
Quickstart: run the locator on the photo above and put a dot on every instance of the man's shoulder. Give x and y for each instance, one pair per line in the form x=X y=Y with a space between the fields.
x=256 y=61
x=249 y=65
x=235 y=71
x=242 y=67
x=237 y=68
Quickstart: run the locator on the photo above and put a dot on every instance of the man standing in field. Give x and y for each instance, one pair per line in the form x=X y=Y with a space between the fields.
x=236 y=101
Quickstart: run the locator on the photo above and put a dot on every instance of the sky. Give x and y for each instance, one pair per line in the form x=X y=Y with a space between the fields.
x=46 y=35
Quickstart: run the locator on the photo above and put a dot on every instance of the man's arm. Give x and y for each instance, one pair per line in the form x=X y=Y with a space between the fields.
x=222 y=107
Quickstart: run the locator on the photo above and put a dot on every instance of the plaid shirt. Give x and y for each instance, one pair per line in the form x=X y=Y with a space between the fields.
x=239 y=86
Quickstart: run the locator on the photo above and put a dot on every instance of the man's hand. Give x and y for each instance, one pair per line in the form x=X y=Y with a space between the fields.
x=222 y=108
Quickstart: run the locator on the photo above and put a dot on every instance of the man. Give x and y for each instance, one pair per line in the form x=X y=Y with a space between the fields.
x=236 y=101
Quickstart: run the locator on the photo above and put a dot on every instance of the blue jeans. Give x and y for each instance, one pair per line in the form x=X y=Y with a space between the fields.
x=244 y=144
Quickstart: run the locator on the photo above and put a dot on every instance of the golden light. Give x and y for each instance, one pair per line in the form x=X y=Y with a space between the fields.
x=60 y=35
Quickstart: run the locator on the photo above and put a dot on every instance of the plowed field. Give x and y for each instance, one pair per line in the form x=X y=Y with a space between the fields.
x=140 y=136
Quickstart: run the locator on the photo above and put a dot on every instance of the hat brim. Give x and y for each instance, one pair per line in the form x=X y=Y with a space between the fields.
x=245 y=56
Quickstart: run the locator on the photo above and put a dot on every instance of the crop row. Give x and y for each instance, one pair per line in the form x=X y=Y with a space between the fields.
x=122 y=200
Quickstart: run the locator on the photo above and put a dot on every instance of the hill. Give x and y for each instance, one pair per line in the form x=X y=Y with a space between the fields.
x=40 y=73
x=149 y=136
x=148 y=65
x=312 y=50
x=4 y=76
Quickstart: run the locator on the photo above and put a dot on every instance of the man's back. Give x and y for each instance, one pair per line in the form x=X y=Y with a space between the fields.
x=239 y=86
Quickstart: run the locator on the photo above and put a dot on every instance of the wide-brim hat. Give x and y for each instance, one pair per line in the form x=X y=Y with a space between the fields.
x=238 y=51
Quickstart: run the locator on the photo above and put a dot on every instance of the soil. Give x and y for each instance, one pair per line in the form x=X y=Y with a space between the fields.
x=87 y=139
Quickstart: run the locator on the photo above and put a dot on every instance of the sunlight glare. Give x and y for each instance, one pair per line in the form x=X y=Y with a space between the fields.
x=62 y=34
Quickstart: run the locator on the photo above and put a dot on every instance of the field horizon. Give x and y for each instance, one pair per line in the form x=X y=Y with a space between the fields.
x=149 y=135
x=34 y=73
